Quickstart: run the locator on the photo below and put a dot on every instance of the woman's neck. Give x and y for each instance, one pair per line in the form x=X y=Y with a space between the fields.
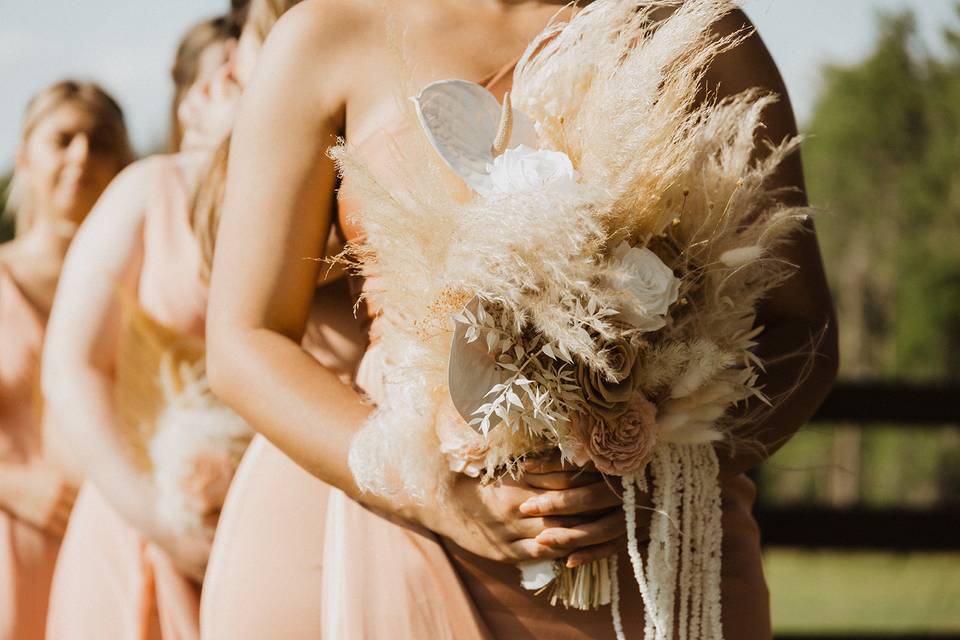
x=36 y=257
x=50 y=237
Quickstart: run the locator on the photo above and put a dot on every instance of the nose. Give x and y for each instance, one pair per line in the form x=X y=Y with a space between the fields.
x=79 y=149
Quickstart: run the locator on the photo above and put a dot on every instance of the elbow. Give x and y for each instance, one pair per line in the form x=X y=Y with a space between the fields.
x=218 y=366
x=223 y=357
x=53 y=372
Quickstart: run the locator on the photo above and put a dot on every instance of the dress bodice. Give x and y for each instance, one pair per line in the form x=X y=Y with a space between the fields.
x=170 y=288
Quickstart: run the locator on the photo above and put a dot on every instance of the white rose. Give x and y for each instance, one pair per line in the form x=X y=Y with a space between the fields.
x=649 y=283
x=524 y=169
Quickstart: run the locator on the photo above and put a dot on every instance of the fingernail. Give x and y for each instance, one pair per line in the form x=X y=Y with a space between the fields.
x=572 y=562
x=530 y=507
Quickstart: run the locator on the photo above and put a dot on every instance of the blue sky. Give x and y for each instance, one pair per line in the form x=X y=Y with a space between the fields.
x=128 y=46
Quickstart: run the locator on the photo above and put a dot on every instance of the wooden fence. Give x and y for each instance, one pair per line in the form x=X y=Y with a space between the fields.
x=898 y=530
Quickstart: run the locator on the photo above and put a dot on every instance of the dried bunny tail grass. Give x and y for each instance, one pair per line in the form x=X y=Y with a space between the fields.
x=397 y=453
x=535 y=255
x=617 y=88
x=742 y=429
x=420 y=244
x=192 y=426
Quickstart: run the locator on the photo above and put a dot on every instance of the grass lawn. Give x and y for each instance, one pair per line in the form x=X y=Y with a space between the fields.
x=863 y=592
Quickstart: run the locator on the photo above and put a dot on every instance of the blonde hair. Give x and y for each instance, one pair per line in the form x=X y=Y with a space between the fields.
x=186 y=64
x=261 y=15
x=86 y=95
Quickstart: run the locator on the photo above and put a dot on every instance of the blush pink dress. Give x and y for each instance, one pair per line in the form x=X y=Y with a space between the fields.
x=265 y=571
x=384 y=579
x=111 y=582
x=27 y=554
x=361 y=576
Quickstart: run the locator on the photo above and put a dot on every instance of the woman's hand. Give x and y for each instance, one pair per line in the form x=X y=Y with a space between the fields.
x=38 y=494
x=601 y=532
x=552 y=512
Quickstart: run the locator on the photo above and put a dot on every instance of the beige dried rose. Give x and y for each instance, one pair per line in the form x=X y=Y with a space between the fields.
x=608 y=398
x=625 y=443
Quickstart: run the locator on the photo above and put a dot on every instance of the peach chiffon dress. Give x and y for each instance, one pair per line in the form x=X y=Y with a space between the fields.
x=364 y=576
x=27 y=554
x=387 y=580
x=110 y=581
x=264 y=575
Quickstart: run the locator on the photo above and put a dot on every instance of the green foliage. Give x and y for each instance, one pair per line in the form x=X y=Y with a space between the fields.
x=858 y=594
x=6 y=221
x=884 y=159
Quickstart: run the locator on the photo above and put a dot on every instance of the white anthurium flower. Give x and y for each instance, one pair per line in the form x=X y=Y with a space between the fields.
x=472 y=369
x=494 y=148
x=536 y=574
x=650 y=284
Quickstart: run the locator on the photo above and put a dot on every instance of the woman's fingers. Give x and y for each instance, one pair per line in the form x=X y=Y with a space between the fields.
x=559 y=480
x=529 y=549
x=532 y=527
x=577 y=501
x=597 y=552
x=604 y=529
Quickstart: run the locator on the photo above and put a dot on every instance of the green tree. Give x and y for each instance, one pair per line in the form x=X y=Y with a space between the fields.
x=884 y=159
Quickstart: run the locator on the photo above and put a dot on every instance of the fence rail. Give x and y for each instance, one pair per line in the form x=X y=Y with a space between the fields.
x=869 y=405
x=908 y=405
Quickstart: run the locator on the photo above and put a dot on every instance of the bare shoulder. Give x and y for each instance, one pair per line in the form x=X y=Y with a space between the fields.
x=308 y=57
x=125 y=199
x=320 y=25
x=748 y=65
x=141 y=173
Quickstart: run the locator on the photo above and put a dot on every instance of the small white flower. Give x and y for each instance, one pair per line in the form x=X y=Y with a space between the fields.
x=524 y=169
x=650 y=285
x=494 y=148
x=536 y=574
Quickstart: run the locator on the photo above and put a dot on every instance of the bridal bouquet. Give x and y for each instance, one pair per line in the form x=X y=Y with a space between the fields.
x=187 y=440
x=580 y=273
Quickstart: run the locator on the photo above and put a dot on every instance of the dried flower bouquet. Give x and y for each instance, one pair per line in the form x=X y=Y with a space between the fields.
x=592 y=289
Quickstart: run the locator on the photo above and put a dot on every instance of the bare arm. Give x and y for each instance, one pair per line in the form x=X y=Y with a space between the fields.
x=81 y=348
x=264 y=274
x=263 y=280
x=798 y=315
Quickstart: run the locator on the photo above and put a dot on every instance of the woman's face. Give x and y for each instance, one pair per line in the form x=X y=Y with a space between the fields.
x=68 y=160
x=206 y=111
